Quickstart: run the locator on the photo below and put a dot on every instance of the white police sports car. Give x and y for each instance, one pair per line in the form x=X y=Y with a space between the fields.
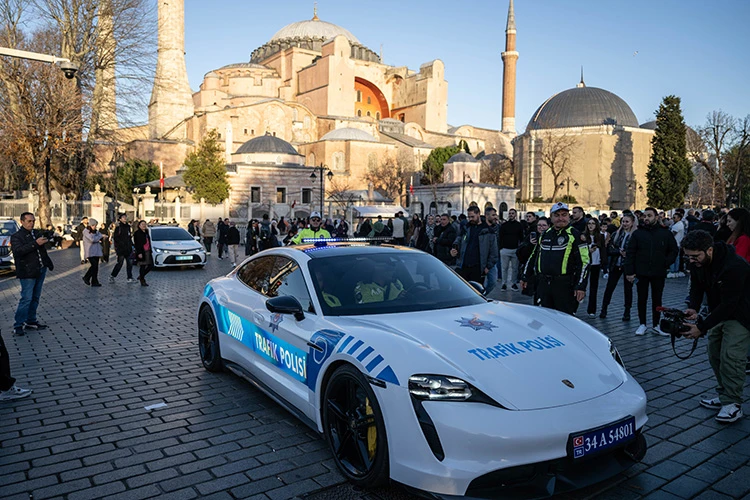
x=411 y=374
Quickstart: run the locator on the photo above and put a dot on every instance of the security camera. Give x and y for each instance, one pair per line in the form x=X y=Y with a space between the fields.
x=69 y=69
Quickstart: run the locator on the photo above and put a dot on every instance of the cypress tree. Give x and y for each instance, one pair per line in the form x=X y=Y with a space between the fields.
x=669 y=173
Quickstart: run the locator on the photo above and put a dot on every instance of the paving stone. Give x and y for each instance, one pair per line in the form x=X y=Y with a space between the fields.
x=735 y=484
x=222 y=483
x=686 y=487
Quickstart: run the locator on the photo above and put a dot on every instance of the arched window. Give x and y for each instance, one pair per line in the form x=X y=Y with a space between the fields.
x=488 y=205
x=338 y=161
x=433 y=208
x=377 y=115
x=368 y=113
x=473 y=204
x=295 y=114
x=311 y=159
x=369 y=100
x=359 y=96
x=307 y=121
x=359 y=112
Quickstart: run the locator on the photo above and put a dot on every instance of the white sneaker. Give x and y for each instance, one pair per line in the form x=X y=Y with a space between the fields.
x=234 y=264
x=680 y=275
x=605 y=276
x=14 y=392
x=208 y=253
x=711 y=403
x=111 y=279
x=657 y=330
x=670 y=275
x=729 y=413
x=641 y=330
x=131 y=280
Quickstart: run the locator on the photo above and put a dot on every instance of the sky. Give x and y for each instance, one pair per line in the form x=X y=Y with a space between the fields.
x=642 y=50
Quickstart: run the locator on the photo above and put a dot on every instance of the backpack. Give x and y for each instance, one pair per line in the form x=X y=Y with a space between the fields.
x=265 y=232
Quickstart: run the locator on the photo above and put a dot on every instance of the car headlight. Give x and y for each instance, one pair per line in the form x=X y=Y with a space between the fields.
x=159 y=250
x=615 y=354
x=439 y=388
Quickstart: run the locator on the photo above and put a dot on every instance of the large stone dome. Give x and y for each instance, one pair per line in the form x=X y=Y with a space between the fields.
x=313 y=28
x=580 y=107
x=267 y=144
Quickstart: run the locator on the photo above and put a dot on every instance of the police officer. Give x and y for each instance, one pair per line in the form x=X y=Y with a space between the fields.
x=314 y=231
x=560 y=261
x=383 y=286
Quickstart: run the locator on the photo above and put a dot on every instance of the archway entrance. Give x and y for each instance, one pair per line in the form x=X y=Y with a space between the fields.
x=370 y=101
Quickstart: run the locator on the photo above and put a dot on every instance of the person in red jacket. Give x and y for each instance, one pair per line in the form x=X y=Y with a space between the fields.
x=738 y=221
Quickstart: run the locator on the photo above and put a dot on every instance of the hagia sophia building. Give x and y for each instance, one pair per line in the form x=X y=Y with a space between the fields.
x=315 y=95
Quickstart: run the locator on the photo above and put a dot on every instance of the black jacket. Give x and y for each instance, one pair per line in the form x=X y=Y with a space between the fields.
x=29 y=257
x=651 y=250
x=139 y=239
x=445 y=238
x=233 y=236
x=726 y=283
x=122 y=239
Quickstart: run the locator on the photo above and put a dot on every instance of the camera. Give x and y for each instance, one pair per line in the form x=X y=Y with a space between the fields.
x=69 y=69
x=672 y=321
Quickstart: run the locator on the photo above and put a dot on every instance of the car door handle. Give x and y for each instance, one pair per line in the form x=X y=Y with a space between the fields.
x=316 y=347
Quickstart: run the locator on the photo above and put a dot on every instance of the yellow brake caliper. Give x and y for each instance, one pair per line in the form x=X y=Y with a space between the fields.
x=371 y=431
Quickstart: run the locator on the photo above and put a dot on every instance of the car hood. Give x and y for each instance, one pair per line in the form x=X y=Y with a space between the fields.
x=177 y=245
x=524 y=357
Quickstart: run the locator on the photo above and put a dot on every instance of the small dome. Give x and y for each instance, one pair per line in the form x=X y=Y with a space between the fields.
x=462 y=157
x=313 y=28
x=580 y=107
x=211 y=74
x=267 y=144
x=243 y=65
x=649 y=125
x=348 y=134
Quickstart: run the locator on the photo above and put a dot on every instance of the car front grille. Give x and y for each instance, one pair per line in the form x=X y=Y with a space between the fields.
x=4 y=251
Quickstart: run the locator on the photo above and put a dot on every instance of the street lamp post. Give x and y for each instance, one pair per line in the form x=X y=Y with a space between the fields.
x=567 y=182
x=116 y=163
x=463 y=188
x=322 y=168
x=636 y=187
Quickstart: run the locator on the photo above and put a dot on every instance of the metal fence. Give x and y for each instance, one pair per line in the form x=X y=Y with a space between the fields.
x=13 y=208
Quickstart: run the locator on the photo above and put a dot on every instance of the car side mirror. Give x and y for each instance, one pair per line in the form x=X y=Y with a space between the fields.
x=286 y=305
x=197 y=238
x=478 y=287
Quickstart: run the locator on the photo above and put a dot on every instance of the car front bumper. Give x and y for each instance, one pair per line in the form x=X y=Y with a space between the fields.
x=179 y=259
x=522 y=453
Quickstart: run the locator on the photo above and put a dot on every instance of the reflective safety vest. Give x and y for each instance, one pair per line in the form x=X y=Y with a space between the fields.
x=372 y=292
x=309 y=233
x=561 y=253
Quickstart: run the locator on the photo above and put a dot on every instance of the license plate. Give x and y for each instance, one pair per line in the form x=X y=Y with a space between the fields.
x=184 y=257
x=591 y=442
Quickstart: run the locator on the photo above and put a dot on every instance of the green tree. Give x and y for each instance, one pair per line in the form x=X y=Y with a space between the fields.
x=205 y=172
x=669 y=174
x=432 y=168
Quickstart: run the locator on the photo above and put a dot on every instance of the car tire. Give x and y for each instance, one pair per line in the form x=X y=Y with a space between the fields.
x=354 y=428
x=200 y=266
x=208 y=341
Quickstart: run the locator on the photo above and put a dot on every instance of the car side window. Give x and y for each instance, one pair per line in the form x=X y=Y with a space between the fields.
x=256 y=274
x=287 y=280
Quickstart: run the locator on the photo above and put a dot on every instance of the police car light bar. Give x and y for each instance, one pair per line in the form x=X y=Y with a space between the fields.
x=321 y=242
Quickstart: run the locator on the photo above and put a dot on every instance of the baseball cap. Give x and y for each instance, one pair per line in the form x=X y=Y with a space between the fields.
x=315 y=214
x=557 y=207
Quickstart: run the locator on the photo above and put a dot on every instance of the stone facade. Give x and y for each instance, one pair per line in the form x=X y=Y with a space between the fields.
x=608 y=162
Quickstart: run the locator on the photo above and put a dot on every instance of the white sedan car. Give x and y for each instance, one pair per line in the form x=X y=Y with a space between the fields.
x=174 y=246
x=411 y=374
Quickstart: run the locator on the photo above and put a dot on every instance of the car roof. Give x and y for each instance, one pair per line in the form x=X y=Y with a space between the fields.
x=348 y=248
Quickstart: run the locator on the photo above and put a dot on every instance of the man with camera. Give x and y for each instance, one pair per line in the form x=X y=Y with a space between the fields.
x=32 y=263
x=724 y=278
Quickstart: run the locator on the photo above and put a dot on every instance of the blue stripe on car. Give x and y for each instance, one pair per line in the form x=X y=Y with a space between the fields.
x=356 y=346
x=375 y=362
x=346 y=342
x=365 y=353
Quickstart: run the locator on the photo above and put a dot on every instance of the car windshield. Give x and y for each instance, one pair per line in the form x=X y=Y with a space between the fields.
x=170 y=234
x=383 y=283
x=7 y=228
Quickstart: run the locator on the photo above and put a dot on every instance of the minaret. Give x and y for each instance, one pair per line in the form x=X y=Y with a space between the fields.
x=510 y=56
x=104 y=108
x=171 y=98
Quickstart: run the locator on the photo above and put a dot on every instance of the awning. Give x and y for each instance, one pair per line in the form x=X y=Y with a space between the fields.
x=386 y=211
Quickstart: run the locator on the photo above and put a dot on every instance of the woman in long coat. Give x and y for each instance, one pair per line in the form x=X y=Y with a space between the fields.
x=142 y=243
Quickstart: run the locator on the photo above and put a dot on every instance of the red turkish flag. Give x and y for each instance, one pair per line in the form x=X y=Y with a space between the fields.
x=161 y=182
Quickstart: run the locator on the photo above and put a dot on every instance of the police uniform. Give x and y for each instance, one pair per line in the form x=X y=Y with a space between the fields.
x=372 y=292
x=308 y=233
x=560 y=264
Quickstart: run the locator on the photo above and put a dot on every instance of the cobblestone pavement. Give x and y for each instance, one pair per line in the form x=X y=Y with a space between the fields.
x=112 y=351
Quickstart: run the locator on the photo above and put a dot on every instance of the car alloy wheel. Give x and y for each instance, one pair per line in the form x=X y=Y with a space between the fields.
x=208 y=341
x=354 y=428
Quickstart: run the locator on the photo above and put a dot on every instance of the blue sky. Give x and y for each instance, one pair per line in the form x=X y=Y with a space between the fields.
x=697 y=50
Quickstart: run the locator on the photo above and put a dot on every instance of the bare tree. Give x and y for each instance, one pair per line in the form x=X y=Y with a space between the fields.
x=389 y=177
x=99 y=36
x=338 y=191
x=497 y=169
x=736 y=160
x=39 y=117
x=715 y=134
x=557 y=152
